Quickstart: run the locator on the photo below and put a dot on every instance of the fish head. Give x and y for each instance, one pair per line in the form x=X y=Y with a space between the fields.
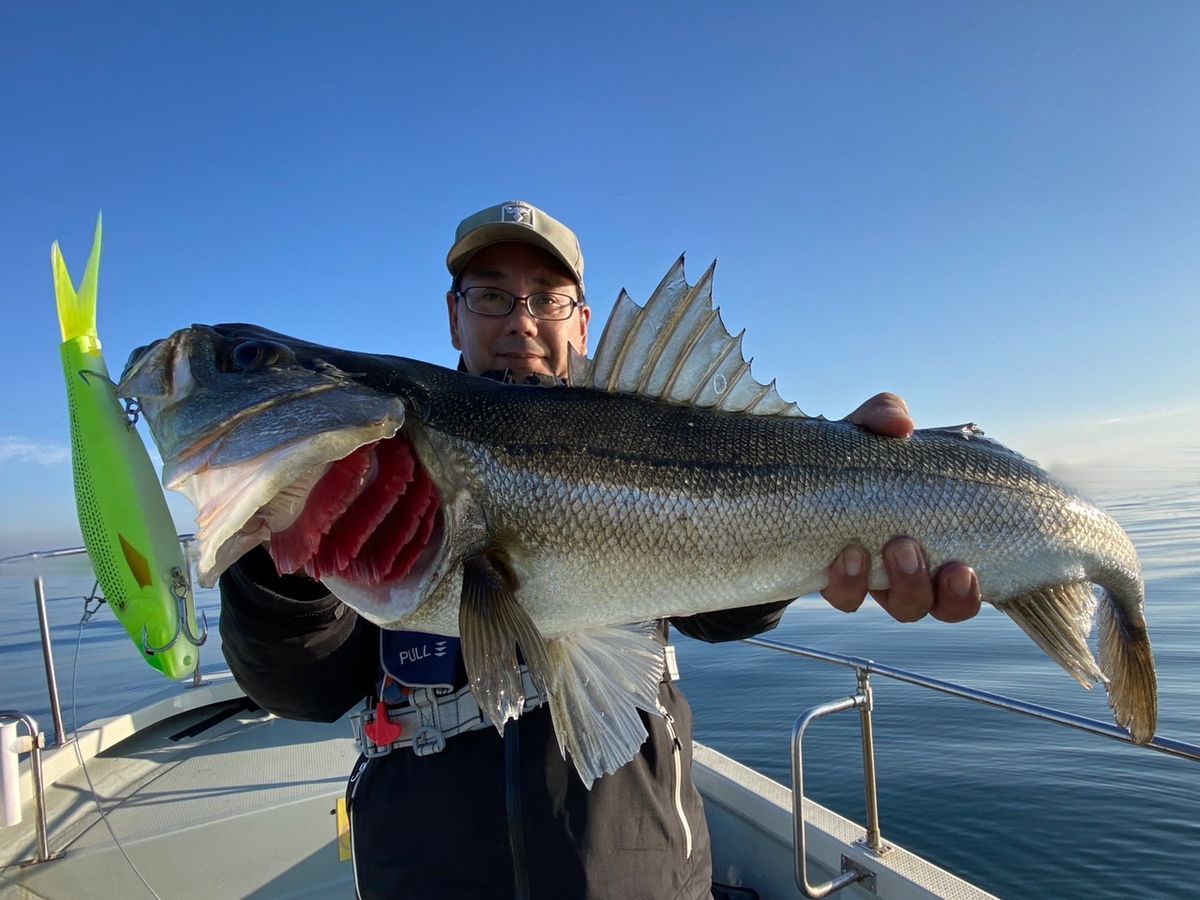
x=210 y=384
x=251 y=422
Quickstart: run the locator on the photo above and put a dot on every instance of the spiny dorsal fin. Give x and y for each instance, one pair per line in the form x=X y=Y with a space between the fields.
x=676 y=348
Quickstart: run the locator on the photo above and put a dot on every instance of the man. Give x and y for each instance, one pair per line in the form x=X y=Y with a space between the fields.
x=463 y=811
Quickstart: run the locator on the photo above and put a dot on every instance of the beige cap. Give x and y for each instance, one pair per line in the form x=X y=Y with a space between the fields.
x=515 y=221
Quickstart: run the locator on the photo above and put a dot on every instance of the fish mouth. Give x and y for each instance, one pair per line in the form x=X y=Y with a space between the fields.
x=183 y=458
x=368 y=514
x=242 y=498
x=368 y=518
x=267 y=445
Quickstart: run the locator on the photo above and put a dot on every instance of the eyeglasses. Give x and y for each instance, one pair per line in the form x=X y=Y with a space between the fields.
x=490 y=301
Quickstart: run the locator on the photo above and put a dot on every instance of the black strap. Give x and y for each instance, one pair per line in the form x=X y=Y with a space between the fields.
x=516 y=818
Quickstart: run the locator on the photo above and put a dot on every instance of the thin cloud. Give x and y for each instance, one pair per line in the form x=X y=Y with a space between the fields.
x=19 y=449
x=1167 y=414
x=1128 y=449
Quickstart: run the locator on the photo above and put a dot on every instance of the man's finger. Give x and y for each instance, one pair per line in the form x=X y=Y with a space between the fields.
x=848 y=580
x=885 y=414
x=910 y=592
x=957 y=593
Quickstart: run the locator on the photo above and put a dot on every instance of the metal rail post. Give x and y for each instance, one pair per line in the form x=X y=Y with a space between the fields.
x=35 y=767
x=39 y=590
x=867 y=730
x=852 y=874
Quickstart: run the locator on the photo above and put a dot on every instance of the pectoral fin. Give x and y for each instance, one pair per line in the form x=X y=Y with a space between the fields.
x=601 y=679
x=492 y=625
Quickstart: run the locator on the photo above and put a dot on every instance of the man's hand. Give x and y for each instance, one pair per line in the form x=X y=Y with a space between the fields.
x=951 y=596
x=884 y=414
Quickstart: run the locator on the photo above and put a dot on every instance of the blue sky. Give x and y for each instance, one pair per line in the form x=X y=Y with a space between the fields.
x=993 y=210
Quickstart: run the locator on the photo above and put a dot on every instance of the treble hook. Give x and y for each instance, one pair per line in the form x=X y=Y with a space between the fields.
x=84 y=373
x=192 y=638
x=131 y=405
x=88 y=609
x=133 y=410
x=180 y=590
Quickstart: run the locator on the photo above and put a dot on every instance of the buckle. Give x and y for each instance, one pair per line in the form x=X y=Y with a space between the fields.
x=424 y=724
x=428 y=741
x=362 y=741
x=429 y=738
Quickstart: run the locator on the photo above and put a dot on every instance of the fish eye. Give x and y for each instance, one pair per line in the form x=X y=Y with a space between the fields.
x=247 y=356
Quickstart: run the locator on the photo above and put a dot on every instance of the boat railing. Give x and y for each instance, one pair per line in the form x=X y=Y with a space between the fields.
x=10 y=750
x=35 y=742
x=863 y=701
x=39 y=593
x=33 y=556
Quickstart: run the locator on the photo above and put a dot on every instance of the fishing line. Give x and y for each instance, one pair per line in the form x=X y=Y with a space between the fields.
x=88 y=612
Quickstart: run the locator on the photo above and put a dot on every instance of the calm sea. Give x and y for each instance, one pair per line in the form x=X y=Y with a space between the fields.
x=1021 y=808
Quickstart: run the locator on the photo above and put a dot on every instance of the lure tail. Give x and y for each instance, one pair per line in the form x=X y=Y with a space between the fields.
x=77 y=311
x=127 y=529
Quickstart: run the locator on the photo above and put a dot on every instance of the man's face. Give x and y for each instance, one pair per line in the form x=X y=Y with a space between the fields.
x=517 y=342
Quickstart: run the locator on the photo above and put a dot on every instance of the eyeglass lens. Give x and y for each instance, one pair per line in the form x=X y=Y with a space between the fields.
x=487 y=301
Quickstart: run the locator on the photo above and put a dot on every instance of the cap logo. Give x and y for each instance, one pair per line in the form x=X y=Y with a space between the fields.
x=516 y=212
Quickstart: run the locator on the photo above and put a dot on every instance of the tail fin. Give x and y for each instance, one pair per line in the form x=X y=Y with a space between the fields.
x=77 y=311
x=1059 y=619
x=1125 y=655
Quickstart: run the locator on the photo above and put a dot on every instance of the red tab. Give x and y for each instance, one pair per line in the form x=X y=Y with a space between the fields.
x=382 y=732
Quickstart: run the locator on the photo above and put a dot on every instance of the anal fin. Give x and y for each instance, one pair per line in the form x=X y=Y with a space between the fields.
x=1059 y=619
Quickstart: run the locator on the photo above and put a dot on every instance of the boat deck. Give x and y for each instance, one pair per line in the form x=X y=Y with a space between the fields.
x=212 y=797
x=219 y=800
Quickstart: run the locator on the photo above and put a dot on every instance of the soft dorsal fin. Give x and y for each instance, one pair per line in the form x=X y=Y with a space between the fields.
x=676 y=348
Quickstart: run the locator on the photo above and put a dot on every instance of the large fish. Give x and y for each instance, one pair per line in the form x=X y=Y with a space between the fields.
x=664 y=481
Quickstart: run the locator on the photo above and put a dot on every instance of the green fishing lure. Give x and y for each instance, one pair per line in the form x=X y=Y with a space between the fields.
x=127 y=529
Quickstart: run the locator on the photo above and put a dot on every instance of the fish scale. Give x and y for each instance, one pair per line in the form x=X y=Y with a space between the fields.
x=785 y=512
